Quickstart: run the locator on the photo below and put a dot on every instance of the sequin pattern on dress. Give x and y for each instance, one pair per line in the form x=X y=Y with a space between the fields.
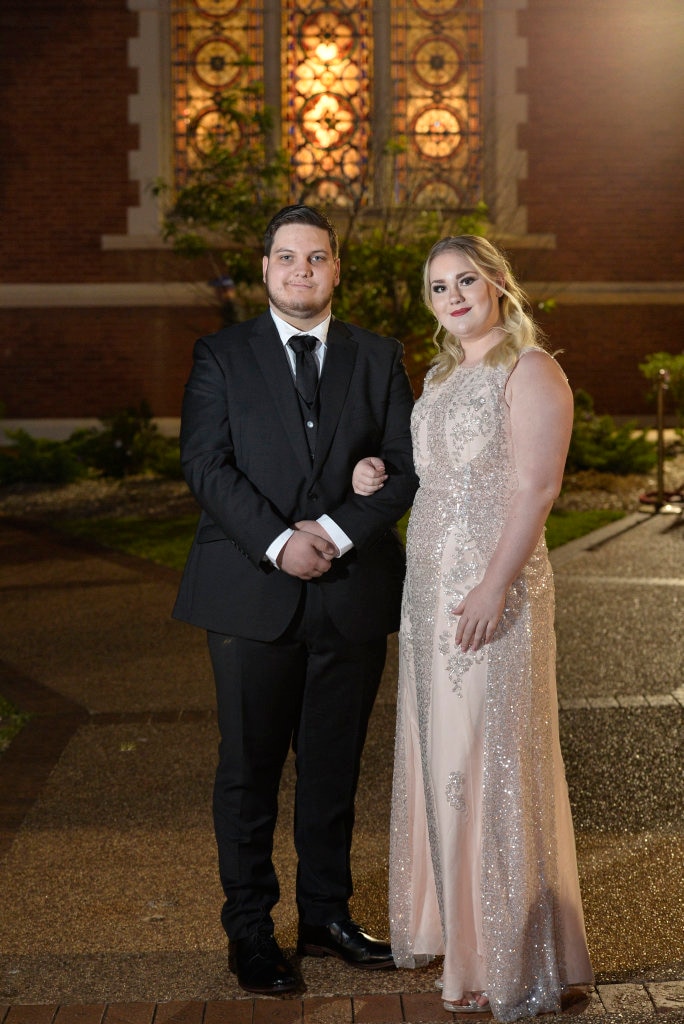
x=479 y=786
x=454 y=790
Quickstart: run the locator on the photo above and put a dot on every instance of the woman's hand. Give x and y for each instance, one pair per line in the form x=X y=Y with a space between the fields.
x=369 y=476
x=541 y=407
x=479 y=614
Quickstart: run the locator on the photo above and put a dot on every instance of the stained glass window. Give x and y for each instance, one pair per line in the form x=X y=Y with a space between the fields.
x=436 y=110
x=363 y=92
x=217 y=47
x=326 y=98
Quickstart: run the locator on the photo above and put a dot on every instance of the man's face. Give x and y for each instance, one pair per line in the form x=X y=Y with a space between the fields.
x=300 y=274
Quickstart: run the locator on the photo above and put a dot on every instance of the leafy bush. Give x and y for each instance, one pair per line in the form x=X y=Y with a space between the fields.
x=674 y=369
x=129 y=443
x=12 y=722
x=231 y=192
x=597 y=443
x=164 y=460
x=36 y=460
x=222 y=209
x=382 y=274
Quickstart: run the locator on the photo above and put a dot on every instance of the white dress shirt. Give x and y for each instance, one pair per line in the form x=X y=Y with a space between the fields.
x=320 y=332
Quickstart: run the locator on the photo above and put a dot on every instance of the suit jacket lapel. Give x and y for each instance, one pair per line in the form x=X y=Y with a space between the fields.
x=339 y=363
x=267 y=349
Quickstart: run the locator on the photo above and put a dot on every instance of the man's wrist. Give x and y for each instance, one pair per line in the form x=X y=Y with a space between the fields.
x=336 y=534
x=274 y=549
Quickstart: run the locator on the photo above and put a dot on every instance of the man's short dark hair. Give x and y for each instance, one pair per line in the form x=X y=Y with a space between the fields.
x=300 y=214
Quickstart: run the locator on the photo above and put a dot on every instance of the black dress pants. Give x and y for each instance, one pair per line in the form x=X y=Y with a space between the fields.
x=313 y=689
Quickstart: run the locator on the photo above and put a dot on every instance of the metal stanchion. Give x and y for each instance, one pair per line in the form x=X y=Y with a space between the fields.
x=663 y=381
x=662 y=500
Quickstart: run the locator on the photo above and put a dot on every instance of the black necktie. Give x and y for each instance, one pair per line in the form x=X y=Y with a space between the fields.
x=306 y=366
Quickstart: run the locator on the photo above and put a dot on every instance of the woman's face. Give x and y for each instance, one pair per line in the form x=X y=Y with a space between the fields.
x=462 y=300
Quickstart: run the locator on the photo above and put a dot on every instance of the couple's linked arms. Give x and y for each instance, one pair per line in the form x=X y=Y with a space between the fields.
x=541 y=410
x=236 y=502
x=369 y=475
x=309 y=551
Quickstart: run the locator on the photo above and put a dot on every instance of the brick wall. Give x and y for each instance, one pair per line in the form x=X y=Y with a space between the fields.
x=605 y=147
x=605 y=138
x=602 y=347
x=64 y=93
x=91 y=362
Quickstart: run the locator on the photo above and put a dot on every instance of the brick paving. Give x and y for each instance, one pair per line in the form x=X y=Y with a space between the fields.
x=32 y=680
x=626 y=1001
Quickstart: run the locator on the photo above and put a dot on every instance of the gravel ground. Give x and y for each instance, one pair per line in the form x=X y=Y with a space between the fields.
x=590 y=489
x=139 y=496
x=156 y=498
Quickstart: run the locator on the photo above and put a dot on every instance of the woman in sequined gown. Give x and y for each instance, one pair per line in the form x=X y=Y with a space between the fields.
x=482 y=861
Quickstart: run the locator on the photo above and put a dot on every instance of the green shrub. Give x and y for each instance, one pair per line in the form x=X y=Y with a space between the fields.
x=221 y=212
x=674 y=368
x=130 y=443
x=12 y=721
x=37 y=460
x=597 y=443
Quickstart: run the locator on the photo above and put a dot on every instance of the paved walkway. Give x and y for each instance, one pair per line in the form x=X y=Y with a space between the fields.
x=108 y=891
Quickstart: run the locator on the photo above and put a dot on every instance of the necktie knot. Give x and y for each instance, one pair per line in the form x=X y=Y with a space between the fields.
x=302 y=343
x=306 y=366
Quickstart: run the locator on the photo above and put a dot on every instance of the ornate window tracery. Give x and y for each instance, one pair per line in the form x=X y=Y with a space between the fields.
x=437 y=104
x=418 y=91
x=326 y=98
x=216 y=46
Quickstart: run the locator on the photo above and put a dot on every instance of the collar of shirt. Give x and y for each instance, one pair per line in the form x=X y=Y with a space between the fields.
x=287 y=331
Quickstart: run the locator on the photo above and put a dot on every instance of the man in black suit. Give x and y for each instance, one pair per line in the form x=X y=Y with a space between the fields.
x=297 y=581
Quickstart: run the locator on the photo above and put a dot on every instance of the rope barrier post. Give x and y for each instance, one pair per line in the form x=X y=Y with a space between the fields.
x=663 y=377
x=662 y=500
x=665 y=502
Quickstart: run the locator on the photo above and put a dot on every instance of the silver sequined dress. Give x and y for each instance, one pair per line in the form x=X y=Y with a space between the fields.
x=482 y=863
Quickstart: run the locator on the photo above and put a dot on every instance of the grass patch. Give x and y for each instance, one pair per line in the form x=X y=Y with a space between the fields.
x=566 y=525
x=561 y=527
x=12 y=722
x=167 y=541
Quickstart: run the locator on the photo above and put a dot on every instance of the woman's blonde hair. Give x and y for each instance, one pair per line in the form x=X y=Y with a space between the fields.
x=521 y=331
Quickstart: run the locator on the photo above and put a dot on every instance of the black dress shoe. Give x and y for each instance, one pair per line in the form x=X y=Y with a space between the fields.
x=344 y=939
x=260 y=965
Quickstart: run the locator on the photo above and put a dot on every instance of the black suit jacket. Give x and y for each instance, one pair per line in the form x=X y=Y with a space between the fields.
x=246 y=459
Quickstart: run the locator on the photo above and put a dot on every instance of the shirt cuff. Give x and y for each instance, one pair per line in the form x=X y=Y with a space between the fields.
x=337 y=535
x=276 y=546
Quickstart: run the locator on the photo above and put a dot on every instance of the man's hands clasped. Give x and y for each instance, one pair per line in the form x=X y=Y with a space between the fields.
x=309 y=552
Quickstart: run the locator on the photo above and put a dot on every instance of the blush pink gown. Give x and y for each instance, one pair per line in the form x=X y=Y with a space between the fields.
x=482 y=865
